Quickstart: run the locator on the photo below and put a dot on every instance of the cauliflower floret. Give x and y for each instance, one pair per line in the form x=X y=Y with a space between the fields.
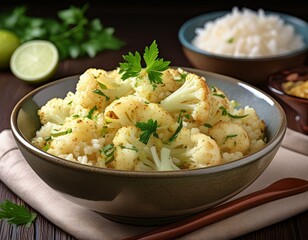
x=219 y=104
x=97 y=87
x=166 y=123
x=144 y=89
x=44 y=133
x=231 y=137
x=205 y=152
x=193 y=98
x=131 y=154
x=74 y=136
x=56 y=110
x=123 y=111
x=195 y=150
x=254 y=126
x=127 y=148
x=129 y=110
x=163 y=162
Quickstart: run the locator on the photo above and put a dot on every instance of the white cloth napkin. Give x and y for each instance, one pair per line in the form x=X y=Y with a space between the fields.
x=84 y=224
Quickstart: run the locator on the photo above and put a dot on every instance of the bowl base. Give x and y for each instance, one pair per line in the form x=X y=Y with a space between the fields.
x=144 y=222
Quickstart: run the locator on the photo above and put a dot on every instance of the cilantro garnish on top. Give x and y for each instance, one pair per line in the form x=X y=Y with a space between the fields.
x=154 y=65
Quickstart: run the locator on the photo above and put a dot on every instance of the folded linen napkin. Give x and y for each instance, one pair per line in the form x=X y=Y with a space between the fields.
x=86 y=224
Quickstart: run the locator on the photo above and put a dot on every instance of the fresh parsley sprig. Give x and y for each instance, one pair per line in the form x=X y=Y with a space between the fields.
x=73 y=33
x=16 y=214
x=148 y=129
x=154 y=65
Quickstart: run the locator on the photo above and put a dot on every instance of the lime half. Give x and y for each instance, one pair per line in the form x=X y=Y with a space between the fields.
x=35 y=61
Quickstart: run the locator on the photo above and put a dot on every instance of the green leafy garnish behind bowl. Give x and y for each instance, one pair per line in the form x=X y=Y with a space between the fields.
x=73 y=33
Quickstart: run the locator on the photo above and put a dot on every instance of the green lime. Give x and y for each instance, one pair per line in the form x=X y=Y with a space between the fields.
x=8 y=43
x=35 y=61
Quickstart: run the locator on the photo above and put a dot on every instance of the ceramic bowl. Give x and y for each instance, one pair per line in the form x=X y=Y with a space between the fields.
x=299 y=104
x=148 y=198
x=252 y=70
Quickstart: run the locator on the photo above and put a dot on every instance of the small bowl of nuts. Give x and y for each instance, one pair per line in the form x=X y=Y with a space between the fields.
x=291 y=87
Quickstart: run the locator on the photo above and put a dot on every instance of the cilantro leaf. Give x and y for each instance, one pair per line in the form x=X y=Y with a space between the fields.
x=154 y=65
x=16 y=214
x=147 y=128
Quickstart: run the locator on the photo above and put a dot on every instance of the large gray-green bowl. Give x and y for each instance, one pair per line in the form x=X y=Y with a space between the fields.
x=148 y=198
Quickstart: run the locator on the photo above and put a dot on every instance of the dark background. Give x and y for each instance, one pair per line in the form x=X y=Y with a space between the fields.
x=162 y=22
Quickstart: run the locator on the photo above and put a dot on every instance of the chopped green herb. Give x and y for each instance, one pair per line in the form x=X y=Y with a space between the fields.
x=225 y=112
x=46 y=147
x=207 y=125
x=61 y=133
x=179 y=128
x=230 y=40
x=147 y=128
x=214 y=90
x=177 y=131
x=219 y=95
x=108 y=151
x=228 y=137
x=16 y=214
x=90 y=113
x=133 y=148
x=48 y=138
x=99 y=92
x=101 y=85
x=183 y=114
x=182 y=77
x=154 y=66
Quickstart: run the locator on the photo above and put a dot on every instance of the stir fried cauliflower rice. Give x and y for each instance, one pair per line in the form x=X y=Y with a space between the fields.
x=133 y=125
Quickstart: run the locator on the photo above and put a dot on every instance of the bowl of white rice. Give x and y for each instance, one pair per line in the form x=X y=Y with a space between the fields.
x=246 y=44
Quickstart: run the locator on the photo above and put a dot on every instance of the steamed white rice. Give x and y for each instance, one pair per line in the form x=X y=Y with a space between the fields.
x=248 y=34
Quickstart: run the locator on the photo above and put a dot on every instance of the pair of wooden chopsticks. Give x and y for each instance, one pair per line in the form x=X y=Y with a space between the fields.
x=280 y=189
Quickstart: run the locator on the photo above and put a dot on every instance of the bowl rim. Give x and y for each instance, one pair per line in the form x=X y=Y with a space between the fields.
x=214 y=15
x=21 y=139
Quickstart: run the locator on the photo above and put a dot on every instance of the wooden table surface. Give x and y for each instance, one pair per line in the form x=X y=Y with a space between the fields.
x=138 y=25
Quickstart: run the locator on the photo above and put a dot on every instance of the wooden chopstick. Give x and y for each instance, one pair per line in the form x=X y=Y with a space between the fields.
x=280 y=189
